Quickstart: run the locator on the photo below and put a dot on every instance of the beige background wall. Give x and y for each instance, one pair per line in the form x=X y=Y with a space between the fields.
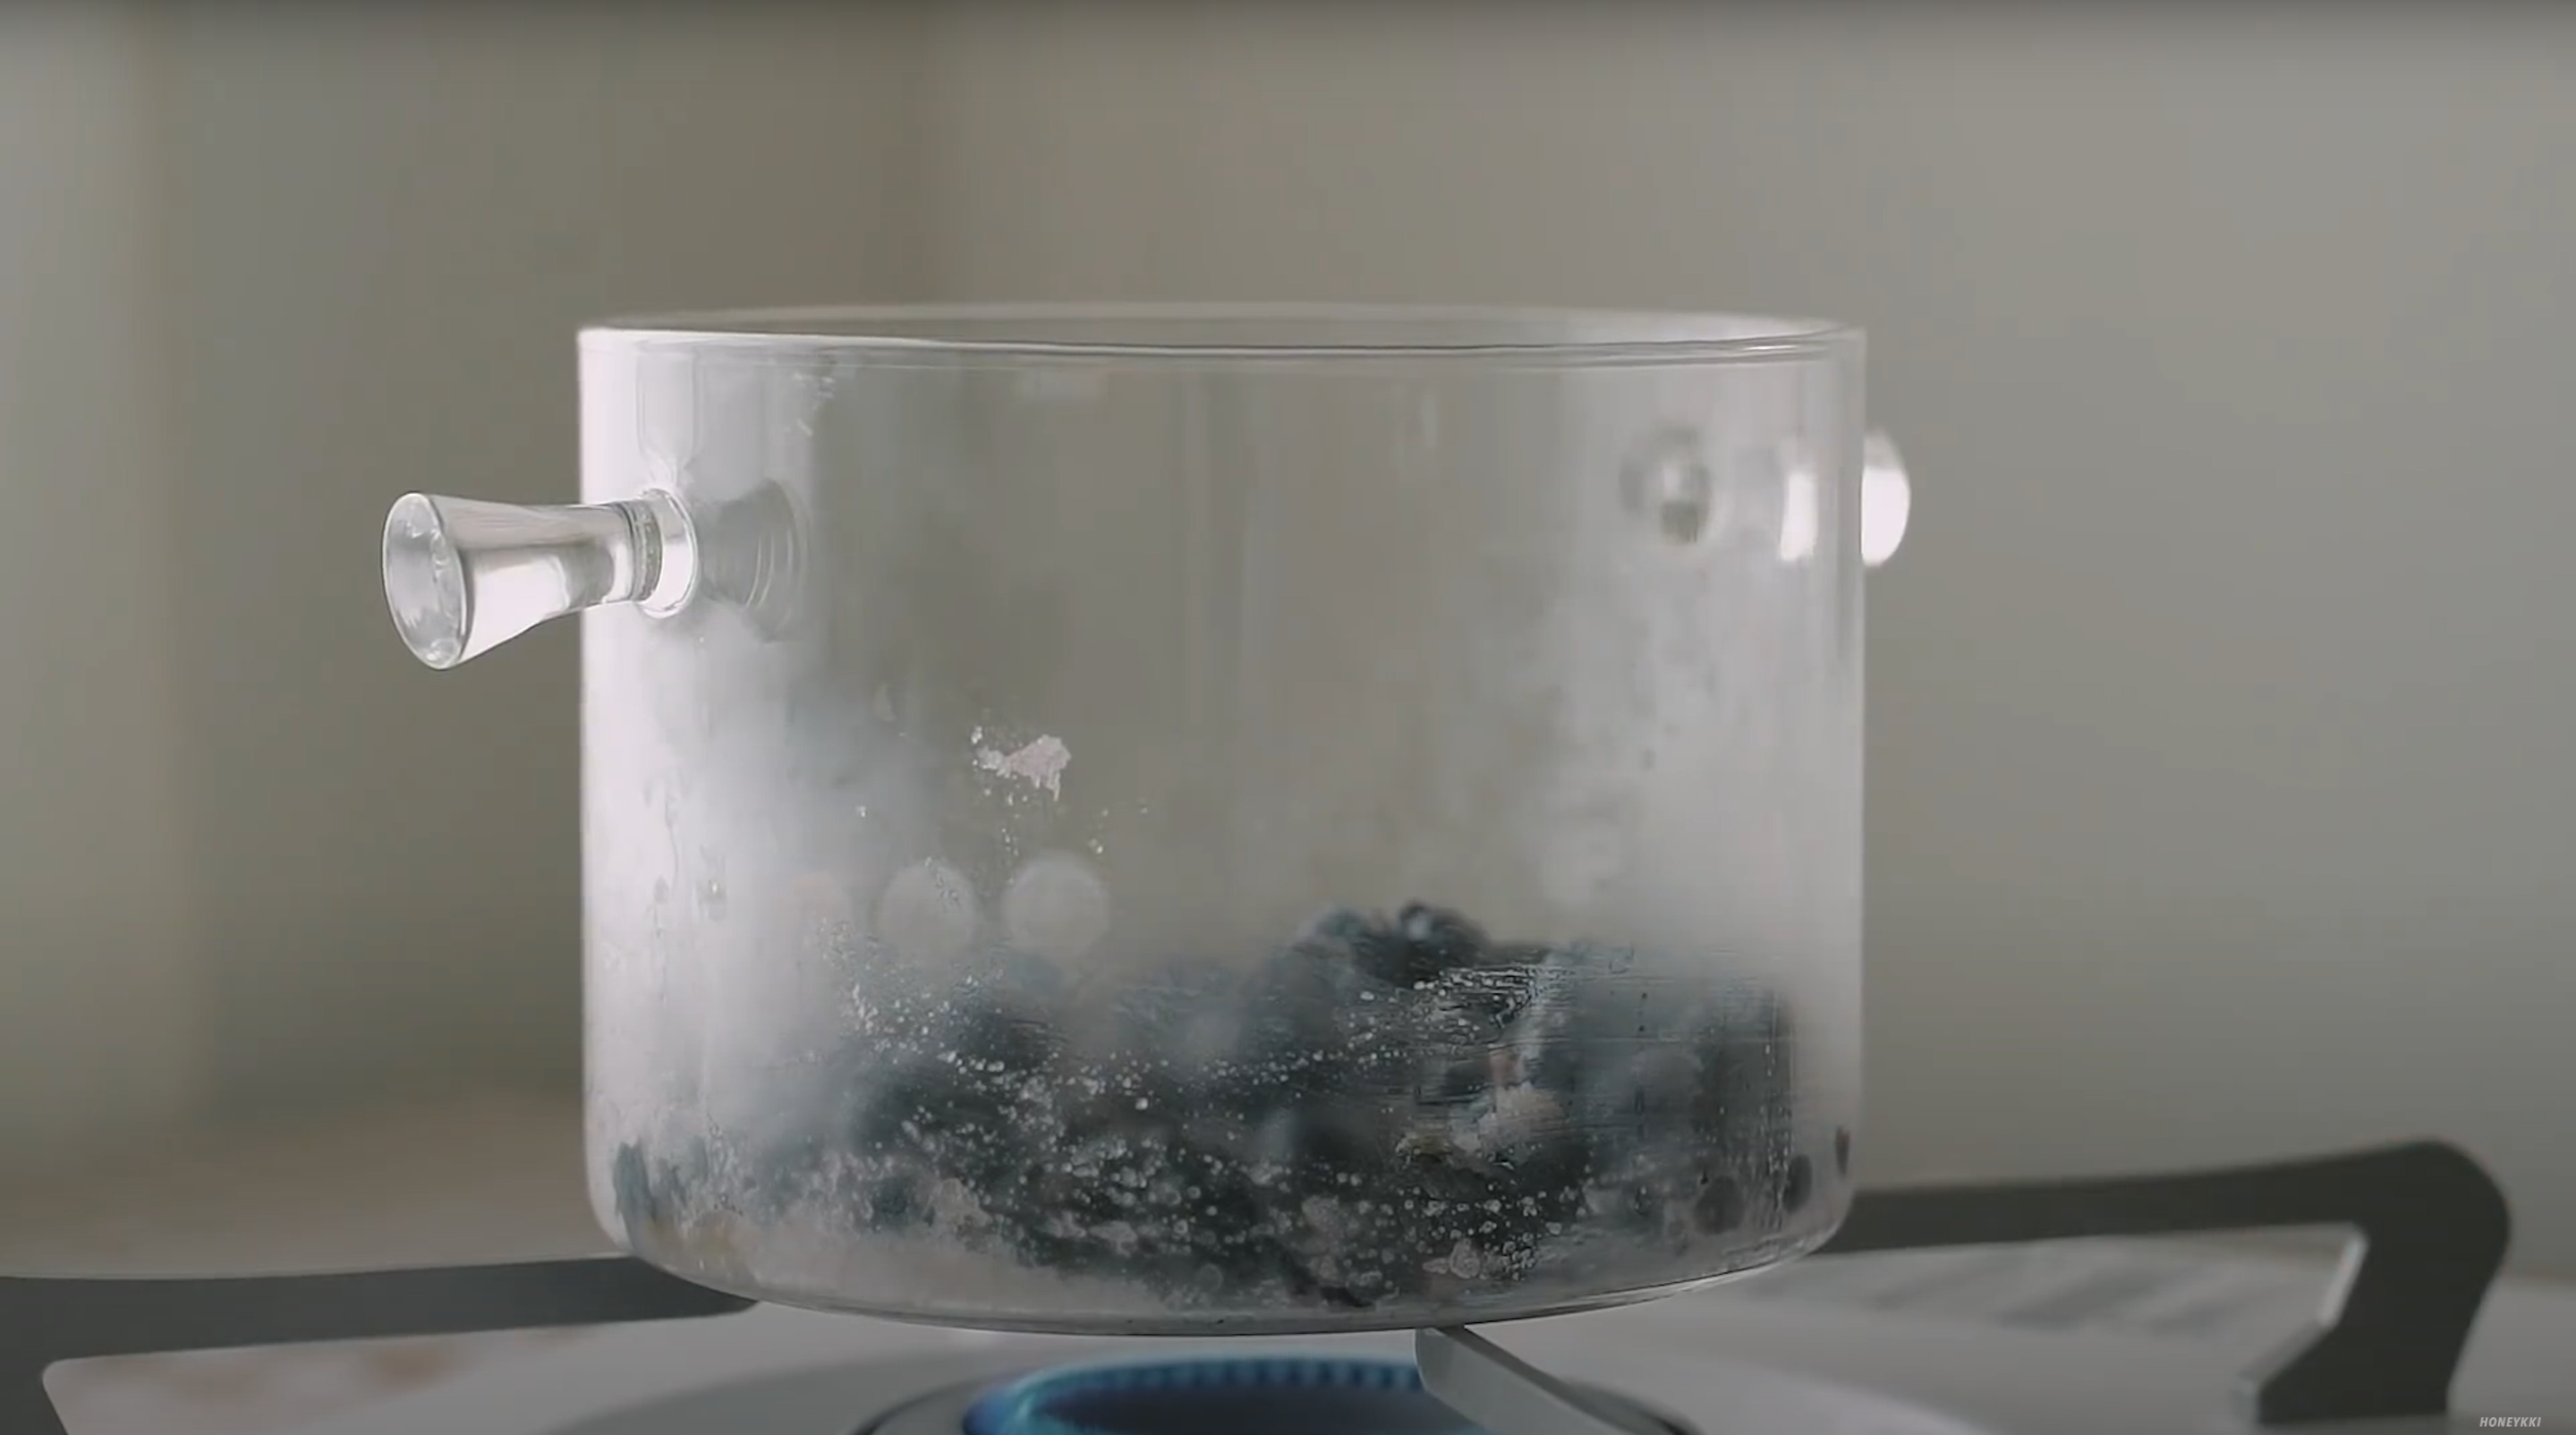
x=260 y=271
x=2223 y=796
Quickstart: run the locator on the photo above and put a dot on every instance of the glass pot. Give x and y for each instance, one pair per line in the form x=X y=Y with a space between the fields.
x=1207 y=819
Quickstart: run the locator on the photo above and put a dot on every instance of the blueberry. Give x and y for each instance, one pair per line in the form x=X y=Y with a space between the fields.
x=1517 y=954
x=1307 y=1036
x=944 y=1078
x=897 y=1200
x=1719 y=1207
x=653 y=1190
x=1746 y=1075
x=638 y=1204
x=1008 y=968
x=1436 y=940
x=1457 y=1082
x=1552 y=1171
x=1145 y=1201
x=1304 y=1284
x=898 y=1014
x=999 y=1041
x=1174 y=1038
x=966 y=1114
x=907 y=1108
x=1446 y=1172
x=1644 y=1201
x=1483 y=1001
x=1347 y=926
x=1372 y=1247
x=1797 y=1183
x=1501 y=1208
x=1320 y=968
x=787 y=1174
x=1323 y=1149
x=1572 y=1009
x=1371 y=947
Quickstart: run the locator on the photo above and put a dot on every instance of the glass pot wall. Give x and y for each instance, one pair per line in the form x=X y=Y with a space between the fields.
x=1207 y=819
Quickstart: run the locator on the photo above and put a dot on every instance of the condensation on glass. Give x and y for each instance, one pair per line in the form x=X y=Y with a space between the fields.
x=1208 y=819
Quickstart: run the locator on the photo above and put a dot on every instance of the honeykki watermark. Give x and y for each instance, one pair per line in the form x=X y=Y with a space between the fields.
x=2509 y=1422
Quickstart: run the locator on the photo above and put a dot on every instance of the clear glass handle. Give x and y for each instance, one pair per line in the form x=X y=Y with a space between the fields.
x=1886 y=499
x=463 y=576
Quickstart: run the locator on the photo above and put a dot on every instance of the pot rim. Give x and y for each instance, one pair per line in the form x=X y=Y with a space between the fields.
x=1234 y=333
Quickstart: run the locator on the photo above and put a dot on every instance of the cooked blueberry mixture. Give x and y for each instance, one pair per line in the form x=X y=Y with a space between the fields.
x=1390 y=1109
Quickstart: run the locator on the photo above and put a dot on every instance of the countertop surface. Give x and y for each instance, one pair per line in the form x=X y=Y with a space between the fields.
x=491 y=1177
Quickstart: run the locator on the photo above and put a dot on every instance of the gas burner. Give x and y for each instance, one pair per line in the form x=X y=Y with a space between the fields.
x=1252 y=1395
x=1264 y=1394
x=2432 y=1229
